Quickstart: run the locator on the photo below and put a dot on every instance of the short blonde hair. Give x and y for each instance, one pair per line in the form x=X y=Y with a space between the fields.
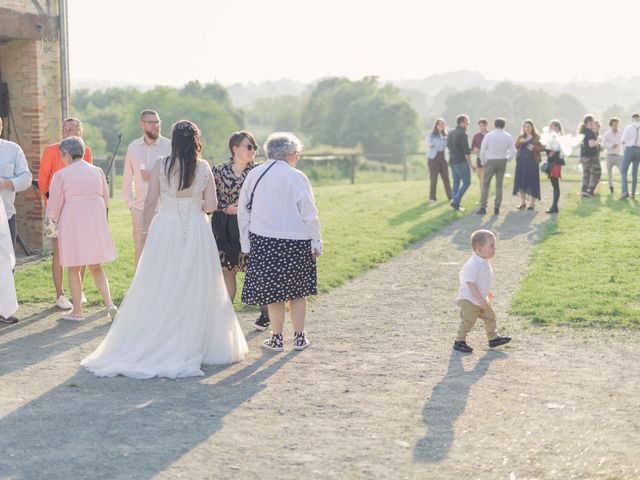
x=479 y=238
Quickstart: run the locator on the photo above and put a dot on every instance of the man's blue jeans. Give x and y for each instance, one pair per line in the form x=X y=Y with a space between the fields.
x=631 y=157
x=460 y=173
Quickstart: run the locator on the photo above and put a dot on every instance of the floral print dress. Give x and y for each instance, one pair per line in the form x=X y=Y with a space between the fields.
x=228 y=186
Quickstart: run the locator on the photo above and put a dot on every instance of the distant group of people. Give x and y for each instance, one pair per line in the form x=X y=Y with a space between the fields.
x=177 y=314
x=493 y=149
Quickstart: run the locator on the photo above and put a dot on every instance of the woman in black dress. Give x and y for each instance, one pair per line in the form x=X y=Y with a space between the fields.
x=527 y=179
x=229 y=178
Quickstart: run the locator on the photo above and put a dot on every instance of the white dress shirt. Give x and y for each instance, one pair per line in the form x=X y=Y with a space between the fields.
x=497 y=145
x=134 y=188
x=14 y=167
x=631 y=135
x=477 y=270
x=611 y=138
x=283 y=206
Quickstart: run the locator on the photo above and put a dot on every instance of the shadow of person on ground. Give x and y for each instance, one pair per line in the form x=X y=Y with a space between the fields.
x=120 y=427
x=6 y=328
x=448 y=401
x=462 y=236
x=36 y=347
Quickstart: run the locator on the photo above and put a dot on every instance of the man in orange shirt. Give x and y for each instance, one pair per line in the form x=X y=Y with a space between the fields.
x=52 y=162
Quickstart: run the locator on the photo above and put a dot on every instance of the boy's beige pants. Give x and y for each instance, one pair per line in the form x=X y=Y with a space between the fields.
x=469 y=313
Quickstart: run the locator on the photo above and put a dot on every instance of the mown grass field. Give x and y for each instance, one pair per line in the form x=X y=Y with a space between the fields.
x=363 y=225
x=585 y=271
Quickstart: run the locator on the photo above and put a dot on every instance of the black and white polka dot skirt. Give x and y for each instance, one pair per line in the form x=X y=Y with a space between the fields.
x=279 y=270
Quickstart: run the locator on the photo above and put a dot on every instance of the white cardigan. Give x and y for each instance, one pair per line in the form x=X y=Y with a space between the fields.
x=283 y=206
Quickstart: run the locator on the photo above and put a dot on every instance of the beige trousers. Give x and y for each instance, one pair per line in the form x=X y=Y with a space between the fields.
x=136 y=221
x=469 y=313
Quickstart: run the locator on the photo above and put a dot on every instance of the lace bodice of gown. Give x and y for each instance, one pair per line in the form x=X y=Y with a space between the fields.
x=180 y=202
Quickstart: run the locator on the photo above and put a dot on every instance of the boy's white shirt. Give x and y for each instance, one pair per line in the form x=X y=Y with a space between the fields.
x=477 y=270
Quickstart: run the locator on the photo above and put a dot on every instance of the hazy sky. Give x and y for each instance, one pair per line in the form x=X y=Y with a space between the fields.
x=173 y=41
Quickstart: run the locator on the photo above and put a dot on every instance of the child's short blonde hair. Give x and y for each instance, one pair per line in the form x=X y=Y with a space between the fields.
x=479 y=238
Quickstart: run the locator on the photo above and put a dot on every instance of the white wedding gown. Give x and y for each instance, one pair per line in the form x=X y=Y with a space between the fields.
x=177 y=314
x=8 y=301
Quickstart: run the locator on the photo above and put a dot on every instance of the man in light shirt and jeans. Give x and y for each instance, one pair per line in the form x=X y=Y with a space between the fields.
x=14 y=177
x=141 y=156
x=496 y=150
x=612 y=142
x=631 y=142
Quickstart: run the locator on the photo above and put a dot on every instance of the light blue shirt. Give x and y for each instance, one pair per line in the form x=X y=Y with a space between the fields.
x=14 y=167
x=435 y=143
x=497 y=145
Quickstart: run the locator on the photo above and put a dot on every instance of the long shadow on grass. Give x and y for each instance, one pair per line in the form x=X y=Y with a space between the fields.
x=412 y=214
x=587 y=206
x=119 y=427
x=36 y=347
x=448 y=401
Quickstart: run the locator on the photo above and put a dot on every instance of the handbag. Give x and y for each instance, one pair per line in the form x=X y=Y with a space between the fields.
x=545 y=167
x=50 y=227
x=226 y=232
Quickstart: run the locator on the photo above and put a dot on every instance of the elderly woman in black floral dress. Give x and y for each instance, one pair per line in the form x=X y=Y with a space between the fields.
x=229 y=178
x=280 y=229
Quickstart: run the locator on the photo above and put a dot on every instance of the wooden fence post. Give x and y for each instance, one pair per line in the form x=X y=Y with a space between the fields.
x=405 y=167
x=354 y=159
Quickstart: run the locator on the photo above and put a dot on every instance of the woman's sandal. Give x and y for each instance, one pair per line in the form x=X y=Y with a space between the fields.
x=72 y=318
x=522 y=206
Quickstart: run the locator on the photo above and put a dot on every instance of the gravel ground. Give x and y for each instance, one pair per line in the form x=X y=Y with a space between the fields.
x=379 y=394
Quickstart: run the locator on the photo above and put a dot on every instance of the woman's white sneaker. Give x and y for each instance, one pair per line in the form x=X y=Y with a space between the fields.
x=63 y=303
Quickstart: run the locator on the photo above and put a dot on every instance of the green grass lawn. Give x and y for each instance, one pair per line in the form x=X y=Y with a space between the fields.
x=585 y=270
x=362 y=225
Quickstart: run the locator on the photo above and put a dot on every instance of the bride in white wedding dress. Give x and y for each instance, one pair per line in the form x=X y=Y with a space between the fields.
x=177 y=314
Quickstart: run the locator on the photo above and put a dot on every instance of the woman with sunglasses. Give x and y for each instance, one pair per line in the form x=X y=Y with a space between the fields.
x=229 y=178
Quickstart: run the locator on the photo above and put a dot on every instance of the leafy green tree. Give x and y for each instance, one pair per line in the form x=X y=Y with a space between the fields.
x=278 y=113
x=616 y=111
x=107 y=112
x=343 y=113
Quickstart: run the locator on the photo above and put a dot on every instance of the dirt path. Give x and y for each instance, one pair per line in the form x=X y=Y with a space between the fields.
x=380 y=394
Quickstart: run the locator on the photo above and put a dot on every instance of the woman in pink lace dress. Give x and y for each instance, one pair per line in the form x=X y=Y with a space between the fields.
x=78 y=200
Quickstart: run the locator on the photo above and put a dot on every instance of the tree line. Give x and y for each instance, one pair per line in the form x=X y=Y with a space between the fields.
x=367 y=114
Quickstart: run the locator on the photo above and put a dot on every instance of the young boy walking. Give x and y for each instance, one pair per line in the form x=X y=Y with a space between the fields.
x=474 y=296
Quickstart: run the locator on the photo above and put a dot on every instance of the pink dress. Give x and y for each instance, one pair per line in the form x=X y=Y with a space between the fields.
x=78 y=199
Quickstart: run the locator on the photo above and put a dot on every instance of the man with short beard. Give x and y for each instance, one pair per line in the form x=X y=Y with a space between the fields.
x=141 y=157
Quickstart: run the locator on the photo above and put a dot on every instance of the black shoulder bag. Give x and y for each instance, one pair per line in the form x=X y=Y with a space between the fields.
x=250 y=202
x=227 y=233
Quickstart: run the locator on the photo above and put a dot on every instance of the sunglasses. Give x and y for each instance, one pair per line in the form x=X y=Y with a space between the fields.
x=252 y=147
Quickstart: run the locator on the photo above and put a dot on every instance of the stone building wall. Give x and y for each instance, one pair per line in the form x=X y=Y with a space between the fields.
x=31 y=68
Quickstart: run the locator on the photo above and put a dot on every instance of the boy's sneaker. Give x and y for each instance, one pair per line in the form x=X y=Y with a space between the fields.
x=461 y=346
x=275 y=343
x=300 y=341
x=496 y=342
x=262 y=323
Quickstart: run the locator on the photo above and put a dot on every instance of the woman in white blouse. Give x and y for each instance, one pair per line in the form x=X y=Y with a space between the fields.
x=280 y=230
